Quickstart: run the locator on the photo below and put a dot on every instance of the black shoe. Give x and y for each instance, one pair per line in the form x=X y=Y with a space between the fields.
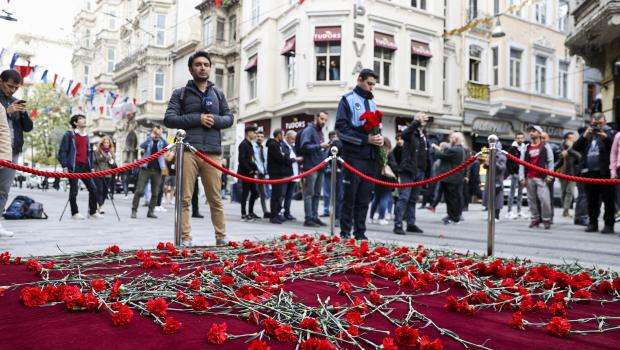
x=197 y=215
x=134 y=214
x=151 y=215
x=289 y=217
x=422 y=206
x=267 y=215
x=361 y=237
x=592 y=228
x=414 y=229
x=607 y=229
x=547 y=224
x=447 y=221
x=275 y=221
x=253 y=216
x=310 y=223
x=244 y=217
x=580 y=223
x=324 y=215
x=345 y=235
x=398 y=230
x=319 y=222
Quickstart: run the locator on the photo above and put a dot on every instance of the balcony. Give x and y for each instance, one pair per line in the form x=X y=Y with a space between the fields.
x=478 y=91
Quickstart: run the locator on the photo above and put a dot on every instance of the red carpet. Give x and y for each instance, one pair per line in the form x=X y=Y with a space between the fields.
x=294 y=287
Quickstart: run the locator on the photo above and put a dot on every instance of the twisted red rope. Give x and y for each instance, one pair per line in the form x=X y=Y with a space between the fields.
x=85 y=175
x=411 y=184
x=563 y=176
x=255 y=180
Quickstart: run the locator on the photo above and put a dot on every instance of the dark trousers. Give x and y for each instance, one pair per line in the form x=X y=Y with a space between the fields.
x=195 y=195
x=288 y=196
x=357 y=193
x=74 y=189
x=581 y=205
x=277 y=196
x=597 y=194
x=144 y=176
x=454 y=203
x=248 y=189
x=104 y=186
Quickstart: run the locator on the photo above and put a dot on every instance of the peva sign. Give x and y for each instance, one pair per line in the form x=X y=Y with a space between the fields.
x=358 y=33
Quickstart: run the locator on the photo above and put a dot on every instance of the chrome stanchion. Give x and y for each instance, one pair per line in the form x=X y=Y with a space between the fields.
x=332 y=194
x=490 y=189
x=180 y=149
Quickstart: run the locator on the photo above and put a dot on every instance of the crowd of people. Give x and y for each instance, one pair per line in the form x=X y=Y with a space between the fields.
x=200 y=108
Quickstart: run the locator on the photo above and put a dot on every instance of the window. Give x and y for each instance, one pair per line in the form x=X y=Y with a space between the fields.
x=445 y=79
x=252 y=83
x=159 y=85
x=383 y=64
x=515 y=68
x=87 y=38
x=232 y=29
x=219 y=77
x=111 y=20
x=144 y=88
x=541 y=12
x=255 y=13
x=563 y=16
x=111 y=59
x=563 y=79
x=160 y=27
x=327 y=52
x=495 y=52
x=290 y=71
x=475 y=61
x=513 y=3
x=86 y=74
x=230 y=83
x=420 y=4
x=496 y=7
x=418 y=77
x=219 y=32
x=541 y=75
x=207 y=34
x=473 y=9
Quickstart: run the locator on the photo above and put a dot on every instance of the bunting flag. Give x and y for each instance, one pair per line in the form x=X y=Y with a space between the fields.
x=44 y=76
x=135 y=101
x=101 y=109
x=92 y=96
x=24 y=71
x=14 y=60
x=34 y=113
x=75 y=89
x=218 y=3
x=2 y=52
x=126 y=99
x=301 y=2
x=55 y=78
x=114 y=98
x=62 y=81
x=69 y=87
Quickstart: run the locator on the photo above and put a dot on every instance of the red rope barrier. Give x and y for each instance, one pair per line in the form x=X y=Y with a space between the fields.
x=85 y=175
x=255 y=180
x=411 y=184
x=563 y=176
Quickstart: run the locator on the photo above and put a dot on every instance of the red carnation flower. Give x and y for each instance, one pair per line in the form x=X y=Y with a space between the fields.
x=388 y=344
x=427 y=344
x=257 y=344
x=171 y=326
x=157 y=306
x=616 y=284
x=558 y=309
x=310 y=324
x=33 y=265
x=227 y=280
x=114 y=249
x=285 y=334
x=375 y=297
x=583 y=294
x=407 y=336
x=195 y=284
x=116 y=288
x=344 y=288
x=270 y=326
x=175 y=268
x=98 y=285
x=200 y=303
x=2 y=290
x=217 y=334
x=558 y=326
x=517 y=321
x=354 y=317
x=606 y=287
x=317 y=344
x=33 y=296
x=123 y=314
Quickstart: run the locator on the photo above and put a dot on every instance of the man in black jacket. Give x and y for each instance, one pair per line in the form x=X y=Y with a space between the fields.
x=414 y=165
x=247 y=167
x=595 y=148
x=19 y=122
x=278 y=166
x=452 y=186
x=202 y=111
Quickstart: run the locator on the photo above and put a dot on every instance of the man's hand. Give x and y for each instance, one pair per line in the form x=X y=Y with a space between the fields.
x=16 y=107
x=564 y=153
x=523 y=183
x=588 y=133
x=376 y=140
x=207 y=120
x=548 y=179
x=435 y=146
x=325 y=145
x=602 y=134
x=422 y=118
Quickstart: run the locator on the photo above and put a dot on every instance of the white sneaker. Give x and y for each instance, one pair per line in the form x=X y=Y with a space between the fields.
x=186 y=243
x=78 y=216
x=388 y=216
x=373 y=221
x=383 y=222
x=96 y=216
x=6 y=233
x=524 y=215
x=512 y=216
x=160 y=208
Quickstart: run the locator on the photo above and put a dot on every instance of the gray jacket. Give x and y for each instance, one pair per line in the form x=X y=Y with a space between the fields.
x=184 y=110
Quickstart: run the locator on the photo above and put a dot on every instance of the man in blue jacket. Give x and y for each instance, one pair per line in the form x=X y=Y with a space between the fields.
x=151 y=171
x=360 y=151
x=313 y=149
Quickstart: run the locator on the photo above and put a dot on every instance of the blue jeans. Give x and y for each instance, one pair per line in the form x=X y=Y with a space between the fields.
x=312 y=195
x=380 y=202
x=407 y=198
x=327 y=186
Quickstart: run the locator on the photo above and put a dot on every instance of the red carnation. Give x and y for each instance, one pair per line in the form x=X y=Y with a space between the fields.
x=270 y=326
x=375 y=297
x=285 y=334
x=354 y=317
x=310 y=324
x=98 y=285
x=317 y=344
x=217 y=334
x=33 y=265
x=407 y=336
x=33 y=296
x=517 y=321
x=175 y=268
x=373 y=120
x=606 y=287
x=344 y=288
x=114 y=249
x=200 y=303
x=116 y=289
x=157 y=306
x=171 y=326
x=123 y=314
x=584 y=295
x=616 y=284
x=2 y=290
x=558 y=326
x=257 y=344
x=227 y=280
x=427 y=344
x=558 y=309
x=388 y=344
x=195 y=284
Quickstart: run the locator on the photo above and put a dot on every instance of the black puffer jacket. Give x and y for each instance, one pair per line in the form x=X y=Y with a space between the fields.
x=185 y=108
x=408 y=164
x=247 y=164
x=279 y=162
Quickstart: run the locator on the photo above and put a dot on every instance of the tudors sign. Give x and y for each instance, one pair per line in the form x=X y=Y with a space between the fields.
x=296 y=122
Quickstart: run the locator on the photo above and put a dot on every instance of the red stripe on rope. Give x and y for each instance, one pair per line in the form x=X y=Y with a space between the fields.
x=411 y=184
x=255 y=180
x=85 y=175
x=563 y=176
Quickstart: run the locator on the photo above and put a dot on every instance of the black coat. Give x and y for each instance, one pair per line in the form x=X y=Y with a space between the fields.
x=279 y=162
x=408 y=164
x=582 y=145
x=247 y=164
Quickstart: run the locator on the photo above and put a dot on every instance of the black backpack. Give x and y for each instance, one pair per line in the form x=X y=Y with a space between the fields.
x=298 y=150
x=24 y=207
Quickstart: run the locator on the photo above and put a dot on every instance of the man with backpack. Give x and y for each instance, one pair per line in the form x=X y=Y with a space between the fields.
x=200 y=109
x=152 y=172
x=312 y=147
x=517 y=149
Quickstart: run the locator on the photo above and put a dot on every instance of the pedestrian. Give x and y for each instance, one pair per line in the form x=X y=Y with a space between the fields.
x=248 y=168
x=568 y=164
x=451 y=157
x=414 y=166
x=327 y=180
x=595 y=147
x=383 y=194
x=474 y=181
x=75 y=156
x=517 y=149
x=289 y=187
x=260 y=158
x=5 y=154
x=151 y=172
x=360 y=151
x=18 y=121
x=500 y=170
x=555 y=149
x=437 y=191
x=313 y=149
x=278 y=167
x=200 y=108
x=104 y=160
x=538 y=153
x=170 y=180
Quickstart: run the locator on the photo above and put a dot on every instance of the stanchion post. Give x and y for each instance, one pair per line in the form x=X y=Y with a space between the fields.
x=490 y=189
x=332 y=190
x=180 y=149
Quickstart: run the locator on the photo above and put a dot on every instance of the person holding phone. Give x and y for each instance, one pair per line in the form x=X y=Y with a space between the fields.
x=18 y=121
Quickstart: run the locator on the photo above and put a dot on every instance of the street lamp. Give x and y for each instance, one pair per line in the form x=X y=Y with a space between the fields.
x=498 y=31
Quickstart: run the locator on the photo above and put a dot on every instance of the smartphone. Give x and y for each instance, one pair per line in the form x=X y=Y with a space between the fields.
x=21 y=102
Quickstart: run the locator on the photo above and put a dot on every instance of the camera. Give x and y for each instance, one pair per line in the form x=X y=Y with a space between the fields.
x=430 y=119
x=595 y=128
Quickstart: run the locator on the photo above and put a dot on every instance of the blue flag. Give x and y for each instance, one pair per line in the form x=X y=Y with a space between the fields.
x=14 y=60
x=69 y=87
x=44 y=76
x=92 y=96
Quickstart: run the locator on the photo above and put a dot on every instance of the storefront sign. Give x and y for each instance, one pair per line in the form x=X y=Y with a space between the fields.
x=296 y=122
x=358 y=33
x=488 y=126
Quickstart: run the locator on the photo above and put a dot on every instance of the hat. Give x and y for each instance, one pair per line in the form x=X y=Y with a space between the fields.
x=250 y=127
x=537 y=128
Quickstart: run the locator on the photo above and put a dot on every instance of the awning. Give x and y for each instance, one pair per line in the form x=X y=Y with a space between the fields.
x=252 y=63
x=385 y=41
x=326 y=34
x=420 y=49
x=289 y=47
